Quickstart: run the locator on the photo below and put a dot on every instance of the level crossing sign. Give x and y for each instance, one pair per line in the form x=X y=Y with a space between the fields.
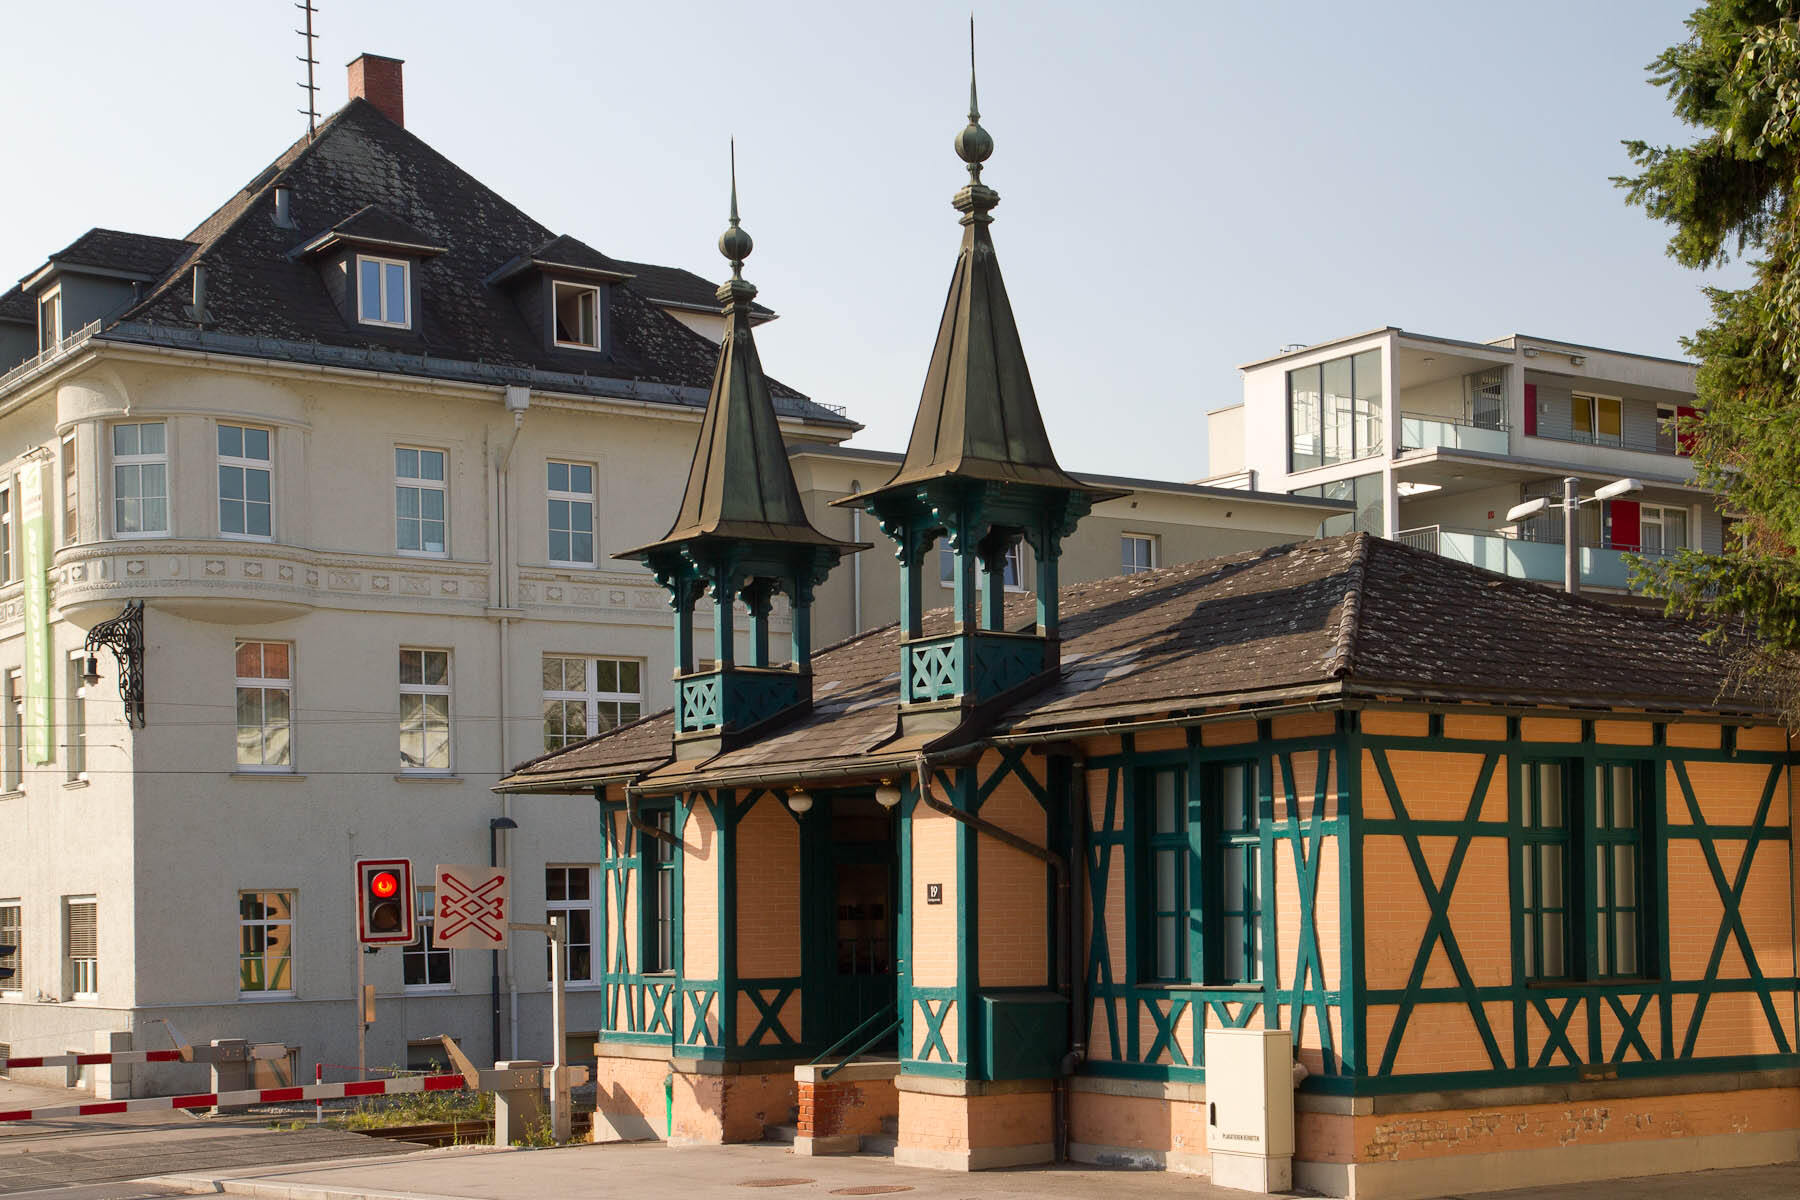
x=473 y=906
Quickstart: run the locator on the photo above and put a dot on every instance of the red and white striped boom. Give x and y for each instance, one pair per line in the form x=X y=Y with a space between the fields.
x=289 y=1095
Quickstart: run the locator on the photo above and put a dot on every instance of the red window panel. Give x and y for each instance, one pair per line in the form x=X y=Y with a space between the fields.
x=1684 y=430
x=1531 y=410
x=1625 y=526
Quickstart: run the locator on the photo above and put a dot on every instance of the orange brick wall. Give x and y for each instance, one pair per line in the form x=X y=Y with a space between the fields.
x=700 y=895
x=1013 y=888
x=962 y=1123
x=934 y=933
x=846 y=1106
x=767 y=853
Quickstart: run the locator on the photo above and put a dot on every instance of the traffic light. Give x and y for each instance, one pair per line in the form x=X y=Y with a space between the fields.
x=384 y=901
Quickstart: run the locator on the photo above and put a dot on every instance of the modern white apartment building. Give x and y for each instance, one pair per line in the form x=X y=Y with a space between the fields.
x=1433 y=439
x=346 y=467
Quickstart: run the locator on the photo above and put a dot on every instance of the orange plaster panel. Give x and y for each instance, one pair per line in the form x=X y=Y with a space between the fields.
x=1228 y=733
x=1394 y=912
x=1444 y=1037
x=1098 y=783
x=1693 y=923
x=1735 y=1023
x=1298 y=795
x=1304 y=725
x=1160 y=739
x=1728 y=793
x=1690 y=736
x=1549 y=729
x=1435 y=786
x=934 y=933
x=1623 y=733
x=1137 y=1123
x=1474 y=728
x=1326 y=913
x=1396 y=724
x=1013 y=893
x=768 y=891
x=1412 y=1136
x=1375 y=806
x=700 y=896
x=1768 y=737
x=1481 y=913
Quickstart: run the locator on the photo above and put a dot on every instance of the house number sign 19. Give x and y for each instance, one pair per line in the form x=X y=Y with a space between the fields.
x=934 y=893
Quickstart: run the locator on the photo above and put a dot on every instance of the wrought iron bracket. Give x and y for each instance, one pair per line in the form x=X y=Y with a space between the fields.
x=124 y=636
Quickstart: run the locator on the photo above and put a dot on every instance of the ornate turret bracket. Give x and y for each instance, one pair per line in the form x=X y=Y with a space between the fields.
x=124 y=636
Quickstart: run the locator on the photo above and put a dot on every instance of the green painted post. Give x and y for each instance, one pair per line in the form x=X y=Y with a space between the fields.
x=801 y=636
x=724 y=633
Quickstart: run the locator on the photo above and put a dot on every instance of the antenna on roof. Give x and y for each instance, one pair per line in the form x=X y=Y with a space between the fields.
x=311 y=111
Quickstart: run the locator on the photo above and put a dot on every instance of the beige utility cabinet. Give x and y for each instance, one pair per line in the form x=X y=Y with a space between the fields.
x=1250 y=1108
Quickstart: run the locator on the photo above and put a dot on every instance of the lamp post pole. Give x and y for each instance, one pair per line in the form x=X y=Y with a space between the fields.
x=1571 y=536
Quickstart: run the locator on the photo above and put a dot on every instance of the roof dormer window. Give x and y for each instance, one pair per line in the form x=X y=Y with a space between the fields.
x=576 y=312
x=384 y=291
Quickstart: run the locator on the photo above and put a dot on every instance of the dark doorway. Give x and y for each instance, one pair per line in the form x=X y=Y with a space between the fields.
x=856 y=925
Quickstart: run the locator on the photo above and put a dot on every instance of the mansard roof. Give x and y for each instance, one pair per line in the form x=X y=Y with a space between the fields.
x=1350 y=617
x=363 y=174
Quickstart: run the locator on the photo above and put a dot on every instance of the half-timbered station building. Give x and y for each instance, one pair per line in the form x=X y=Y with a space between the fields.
x=1507 y=873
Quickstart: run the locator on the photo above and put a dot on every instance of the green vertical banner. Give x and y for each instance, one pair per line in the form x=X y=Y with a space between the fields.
x=34 y=537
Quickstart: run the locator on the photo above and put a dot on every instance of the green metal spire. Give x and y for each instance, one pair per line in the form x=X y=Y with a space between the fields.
x=740 y=484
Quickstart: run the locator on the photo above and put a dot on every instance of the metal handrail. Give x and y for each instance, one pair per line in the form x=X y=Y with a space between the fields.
x=1419 y=536
x=1658 y=443
x=828 y=1072
x=1467 y=422
x=877 y=1015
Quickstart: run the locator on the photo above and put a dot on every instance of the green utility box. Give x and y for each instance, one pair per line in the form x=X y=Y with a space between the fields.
x=1024 y=1035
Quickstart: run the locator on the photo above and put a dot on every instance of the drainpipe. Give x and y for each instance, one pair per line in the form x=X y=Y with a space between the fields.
x=518 y=400
x=1064 y=919
x=856 y=625
x=634 y=815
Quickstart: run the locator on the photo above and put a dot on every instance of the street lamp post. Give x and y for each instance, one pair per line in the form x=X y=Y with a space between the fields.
x=495 y=826
x=1571 y=507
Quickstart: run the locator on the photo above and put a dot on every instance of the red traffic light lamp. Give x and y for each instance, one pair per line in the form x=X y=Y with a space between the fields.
x=384 y=901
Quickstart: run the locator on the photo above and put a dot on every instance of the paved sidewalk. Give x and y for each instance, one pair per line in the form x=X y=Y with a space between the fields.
x=632 y=1171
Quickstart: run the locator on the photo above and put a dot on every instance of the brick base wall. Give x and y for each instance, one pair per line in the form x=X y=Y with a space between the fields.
x=631 y=1103
x=848 y=1107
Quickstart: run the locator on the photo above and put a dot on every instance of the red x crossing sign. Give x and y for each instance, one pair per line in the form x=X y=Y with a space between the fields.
x=473 y=907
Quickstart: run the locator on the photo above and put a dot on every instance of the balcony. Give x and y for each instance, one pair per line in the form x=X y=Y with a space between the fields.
x=1662 y=441
x=1433 y=431
x=1542 y=562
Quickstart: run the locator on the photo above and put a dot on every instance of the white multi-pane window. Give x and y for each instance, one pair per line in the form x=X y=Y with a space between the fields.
x=569 y=893
x=12 y=946
x=71 y=513
x=420 y=497
x=423 y=965
x=81 y=947
x=571 y=516
x=383 y=291
x=577 y=308
x=75 y=717
x=425 y=710
x=1137 y=552
x=265 y=694
x=50 y=320
x=947 y=566
x=1662 y=528
x=588 y=696
x=140 y=459
x=246 y=503
x=6 y=534
x=12 y=766
x=266 y=943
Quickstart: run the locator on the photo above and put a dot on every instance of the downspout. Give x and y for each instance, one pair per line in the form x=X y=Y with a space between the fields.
x=634 y=815
x=1064 y=913
x=518 y=399
x=856 y=605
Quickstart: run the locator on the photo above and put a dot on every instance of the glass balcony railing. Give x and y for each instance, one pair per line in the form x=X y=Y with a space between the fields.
x=1601 y=566
x=1426 y=431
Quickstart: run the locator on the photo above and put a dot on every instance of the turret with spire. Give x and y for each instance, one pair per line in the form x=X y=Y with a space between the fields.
x=741 y=534
x=979 y=472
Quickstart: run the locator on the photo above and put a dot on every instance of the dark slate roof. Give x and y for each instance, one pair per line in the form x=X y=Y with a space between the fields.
x=130 y=253
x=374 y=225
x=682 y=289
x=16 y=307
x=359 y=158
x=1350 y=616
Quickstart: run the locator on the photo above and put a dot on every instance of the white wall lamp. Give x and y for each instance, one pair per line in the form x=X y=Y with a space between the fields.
x=887 y=794
x=800 y=801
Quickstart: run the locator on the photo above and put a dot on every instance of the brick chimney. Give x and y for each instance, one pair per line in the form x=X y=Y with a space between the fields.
x=376 y=78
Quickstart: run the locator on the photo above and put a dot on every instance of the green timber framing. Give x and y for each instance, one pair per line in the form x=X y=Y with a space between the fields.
x=1307 y=826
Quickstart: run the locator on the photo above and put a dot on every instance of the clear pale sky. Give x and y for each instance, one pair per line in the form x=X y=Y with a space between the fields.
x=1185 y=186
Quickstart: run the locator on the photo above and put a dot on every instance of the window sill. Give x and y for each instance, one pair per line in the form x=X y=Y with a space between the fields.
x=560 y=345
x=12 y=793
x=150 y=535
x=439 y=555
x=74 y=785
x=428 y=989
x=1626 y=983
x=427 y=777
x=270 y=776
x=264 y=997
x=266 y=539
